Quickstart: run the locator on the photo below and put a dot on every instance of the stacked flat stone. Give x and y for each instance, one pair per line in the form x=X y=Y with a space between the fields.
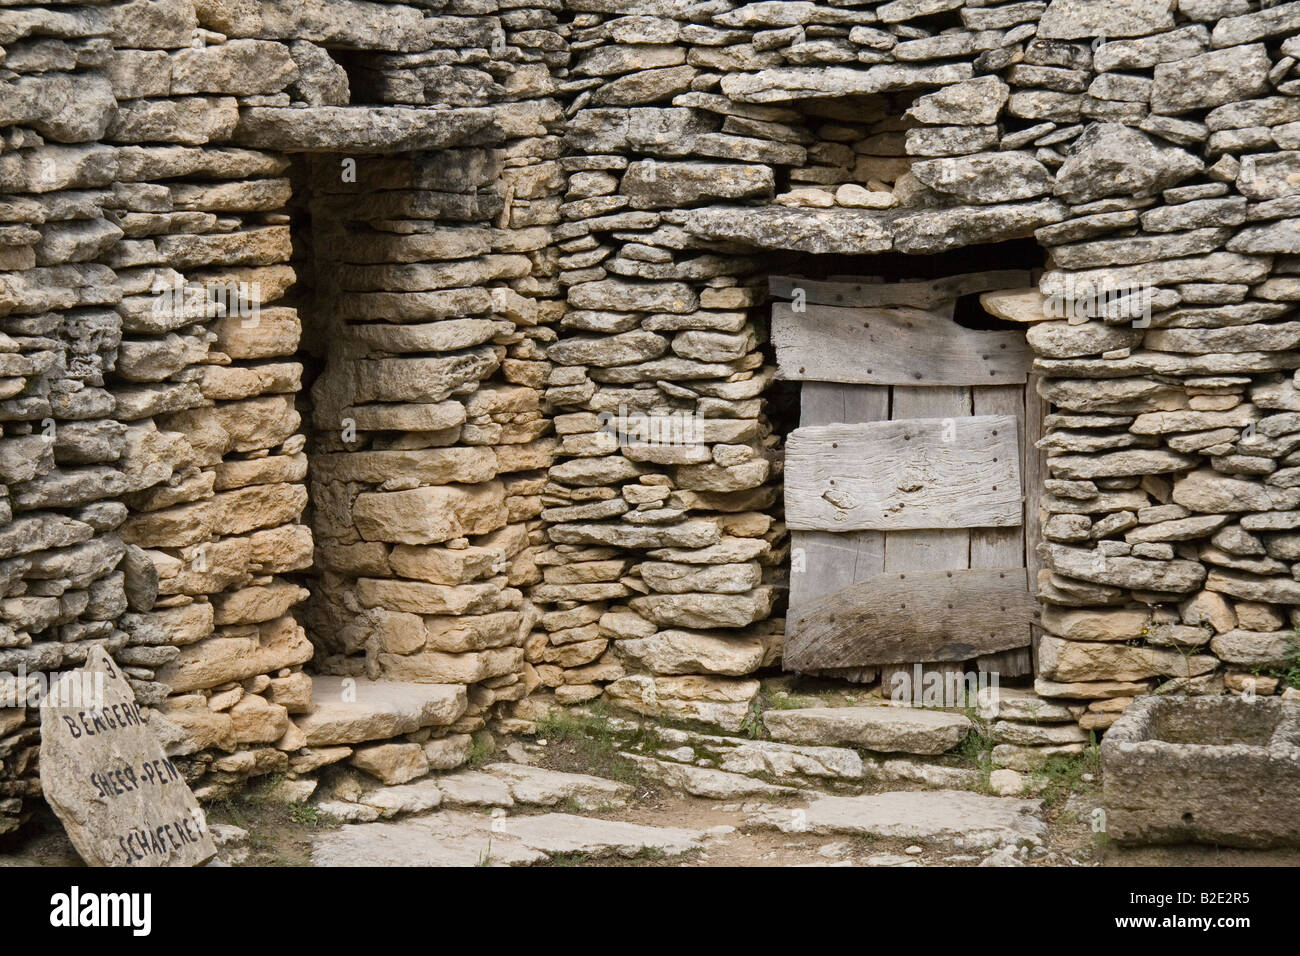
x=1028 y=730
x=191 y=424
x=662 y=510
x=590 y=258
x=1170 y=516
x=423 y=513
x=434 y=295
x=63 y=441
x=207 y=386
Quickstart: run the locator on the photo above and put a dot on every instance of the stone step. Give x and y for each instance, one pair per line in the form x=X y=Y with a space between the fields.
x=350 y=710
x=508 y=784
x=803 y=766
x=769 y=758
x=537 y=786
x=439 y=839
x=705 y=781
x=1017 y=703
x=462 y=838
x=568 y=833
x=880 y=728
x=706 y=765
x=968 y=820
x=496 y=785
x=891 y=772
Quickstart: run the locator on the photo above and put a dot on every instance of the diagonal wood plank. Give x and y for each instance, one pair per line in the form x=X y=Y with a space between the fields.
x=913 y=616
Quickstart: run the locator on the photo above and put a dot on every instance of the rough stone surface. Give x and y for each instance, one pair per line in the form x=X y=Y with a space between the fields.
x=120 y=798
x=450 y=838
x=1206 y=770
x=526 y=270
x=885 y=729
x=968 y=820
x=347 y=711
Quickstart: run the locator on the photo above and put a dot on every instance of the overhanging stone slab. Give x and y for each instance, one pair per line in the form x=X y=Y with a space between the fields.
x=378 y=129
x=847 y=231
x=800 y=83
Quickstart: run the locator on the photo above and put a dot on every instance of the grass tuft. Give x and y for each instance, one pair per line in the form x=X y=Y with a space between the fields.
x=1062 y=774
x=597 y=743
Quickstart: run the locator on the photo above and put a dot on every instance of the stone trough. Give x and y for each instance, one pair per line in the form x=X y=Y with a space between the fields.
x=1222 y=770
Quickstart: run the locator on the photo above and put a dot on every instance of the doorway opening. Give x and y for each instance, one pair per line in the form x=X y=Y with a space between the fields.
x=420 y=522
x=909 y=469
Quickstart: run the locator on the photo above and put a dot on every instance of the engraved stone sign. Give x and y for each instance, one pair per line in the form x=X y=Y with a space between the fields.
x=103 y=771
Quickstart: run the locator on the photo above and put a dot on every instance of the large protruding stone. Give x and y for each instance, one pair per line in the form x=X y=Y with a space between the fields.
x=848 y=231
x=349 y=711
x=1111 y=159
x=1087 y=19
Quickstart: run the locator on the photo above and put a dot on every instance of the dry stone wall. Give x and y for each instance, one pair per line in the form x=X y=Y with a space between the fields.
x=1146 y=146
x=156 y=423
x=489 y=406
x=61 y=332
x=422 y=519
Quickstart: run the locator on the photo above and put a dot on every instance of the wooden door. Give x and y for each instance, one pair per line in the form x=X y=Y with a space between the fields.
x=905 y=480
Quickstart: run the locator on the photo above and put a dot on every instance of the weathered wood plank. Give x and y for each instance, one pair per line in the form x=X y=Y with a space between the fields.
x=999 y=547
x=1002 y=547
x=917 y=616
x=919 y=294
x=940 y=549
x=893 y=346
x=909 y=474
x=821 y=562
x=1016 y=662
x=1035 y=471
x=834 y=403
x=937 y=549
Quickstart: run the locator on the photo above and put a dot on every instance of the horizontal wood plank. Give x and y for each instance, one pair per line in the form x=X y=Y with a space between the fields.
x=904 y=475
x=913 y=616
x=919 y=294
x=893 y=346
